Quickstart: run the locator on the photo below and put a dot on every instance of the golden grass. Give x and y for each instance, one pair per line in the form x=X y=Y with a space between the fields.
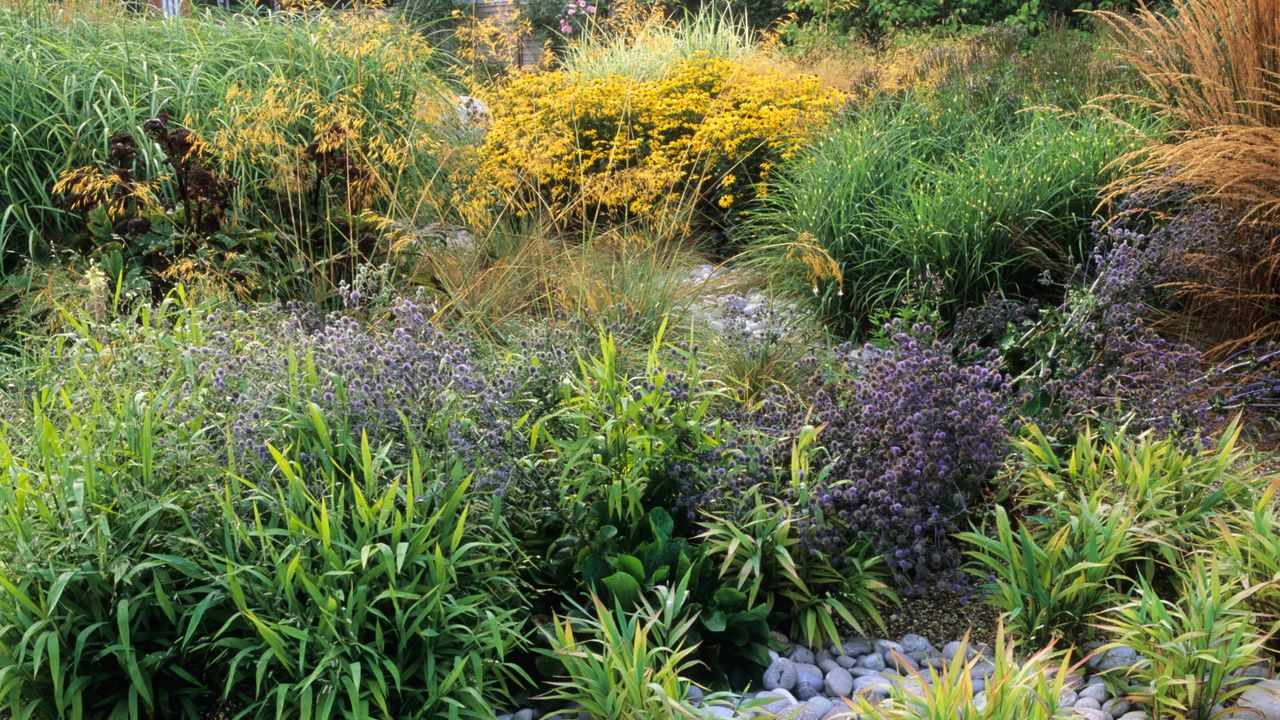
x=1212 y=68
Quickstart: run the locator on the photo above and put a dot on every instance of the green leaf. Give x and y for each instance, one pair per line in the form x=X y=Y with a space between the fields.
x=623 y=587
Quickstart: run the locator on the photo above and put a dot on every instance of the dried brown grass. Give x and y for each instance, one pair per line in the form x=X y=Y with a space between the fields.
x=1212 y=68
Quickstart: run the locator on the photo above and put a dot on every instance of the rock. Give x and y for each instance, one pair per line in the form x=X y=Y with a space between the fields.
x=889 y=647
x=901 y=663
x=861 y=671
x=912 y=643
x=950 y=650
x=777 y=702
x=1067 y=697
x=1135 y=715
x=1262 y=699
x=1120 y=656
x=847 y=662
x=840 y=711
x=981 y=669
x=1088 y=714
x=980 y=701
x=875 y=687
x=857 y=646
x=937 y=662
x=979 y=685
x=694 y=695
x=826 y=664
x=1085 y=702
x=824 y=654
x=910 y=687
x=720 y=711
x=781 y=675
x=839 y=683
x=1115 y=707
x=525 y=714
x=873 y=662
x=812 y=709
x=503 y=717
x=801 y=656
x=811 y=674
x=1097 y=692
x=806 y=690
x=1074 y=682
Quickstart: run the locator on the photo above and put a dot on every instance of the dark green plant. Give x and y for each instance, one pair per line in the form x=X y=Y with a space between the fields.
x=104 y=603
x=1191 y=647
x=377 y=591
x=1049 y=581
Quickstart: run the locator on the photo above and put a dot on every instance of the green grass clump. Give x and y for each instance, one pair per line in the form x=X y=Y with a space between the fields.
x=72 y=81
x=921 y=203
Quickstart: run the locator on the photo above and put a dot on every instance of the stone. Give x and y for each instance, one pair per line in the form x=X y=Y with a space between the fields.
x=840 y=711
x=1088 y=714
x=811 y=674
x=812 y=709
x=979 y=685
x=980 y=701
x=857 y=646
x=503 y=717
x=913 y=643
x=839 y=683
x=1262 y=700
x=1096 y=692
x=873 y=662
x=951 y=649
x=801 y=656
x=1135 y=715
x=776 y=702
x=826 y=664
x=1115 y=707
x=1067 y=697
x=823 y=654
x=860 y=671
x=806 y=690
x=694 y=695
x=875 y=687
x=1120 y=656
x=720 y=711
x=525 y=714
x=847 y=662
x=981 y=669
x=937 y=662
x=901 y=663
x=780 y=675
x=889 y=647
x=1085 y=702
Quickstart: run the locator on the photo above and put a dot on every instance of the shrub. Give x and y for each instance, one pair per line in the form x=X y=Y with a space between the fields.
x=925 y=201
x=1017 y=688
x=704 y=135
x=106 y=605
x=762 y=554
x=379 y=590
x=1100 y=355
x=1050 y=581
x=626 y=664
x=1178 y=493
x=315 y=120
x=1191 y=647
x=912 y=437
x=1209 y=66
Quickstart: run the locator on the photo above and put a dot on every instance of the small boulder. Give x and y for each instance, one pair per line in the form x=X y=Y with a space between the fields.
x=839 y=683
x=780 y=675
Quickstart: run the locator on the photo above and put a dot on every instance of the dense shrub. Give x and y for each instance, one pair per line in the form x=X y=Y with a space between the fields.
x=925 y=202
x=703 y=136
x=912 y=437
x=309 y=121
x=1209 y=66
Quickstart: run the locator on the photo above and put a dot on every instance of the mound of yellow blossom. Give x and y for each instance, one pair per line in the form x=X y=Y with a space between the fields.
x=705 y=136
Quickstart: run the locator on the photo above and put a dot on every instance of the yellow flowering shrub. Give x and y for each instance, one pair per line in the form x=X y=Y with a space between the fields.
x=704 y=136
